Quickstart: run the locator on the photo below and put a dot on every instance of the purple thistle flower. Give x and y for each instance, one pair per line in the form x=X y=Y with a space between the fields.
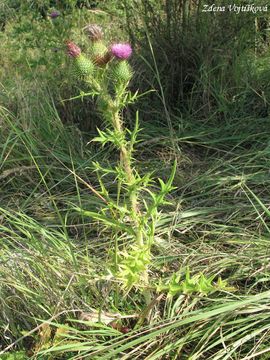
x=54 y=14
x=121 y=51
x=73 y=49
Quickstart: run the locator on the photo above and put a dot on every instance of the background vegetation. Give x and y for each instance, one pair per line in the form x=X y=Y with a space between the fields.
x=209 y=110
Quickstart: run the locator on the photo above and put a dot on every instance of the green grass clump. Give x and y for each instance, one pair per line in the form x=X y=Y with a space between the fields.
x=205 y=59
x=209 y=271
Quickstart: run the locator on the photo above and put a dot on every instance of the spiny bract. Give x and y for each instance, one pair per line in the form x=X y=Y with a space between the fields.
x=122 y=71
x=82 y=66
x=98 y=52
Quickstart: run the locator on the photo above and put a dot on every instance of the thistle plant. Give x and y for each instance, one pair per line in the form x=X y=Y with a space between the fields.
x=134 y=213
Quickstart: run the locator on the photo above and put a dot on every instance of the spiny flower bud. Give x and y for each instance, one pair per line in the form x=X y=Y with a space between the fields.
x=73 y=50
x=122 y=71
x=94 y=32
x=99 y=53
x=82 y=66
x=121 y=51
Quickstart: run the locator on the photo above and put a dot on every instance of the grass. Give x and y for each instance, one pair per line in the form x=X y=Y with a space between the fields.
x=54 y=260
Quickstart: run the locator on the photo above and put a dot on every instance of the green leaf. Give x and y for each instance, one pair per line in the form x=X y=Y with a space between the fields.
x=205 y=285
x=107 y=221
x=110 y=136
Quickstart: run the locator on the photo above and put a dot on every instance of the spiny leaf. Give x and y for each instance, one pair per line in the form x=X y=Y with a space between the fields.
x=107 y=221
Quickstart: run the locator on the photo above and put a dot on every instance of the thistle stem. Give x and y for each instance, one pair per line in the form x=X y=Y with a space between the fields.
x=125 y=158
x=126 y=163
x=112 y=114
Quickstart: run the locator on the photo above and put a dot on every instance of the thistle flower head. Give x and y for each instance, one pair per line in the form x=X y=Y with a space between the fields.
x=54 y=14
x=122 y=72
x=73 y=50
x=121 y=51
x=94 y=32
x=82 y=66
x=99 y=53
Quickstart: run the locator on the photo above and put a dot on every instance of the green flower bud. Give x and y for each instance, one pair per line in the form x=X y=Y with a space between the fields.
x=122 y=71
x=98 y=52
x=82 y=66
